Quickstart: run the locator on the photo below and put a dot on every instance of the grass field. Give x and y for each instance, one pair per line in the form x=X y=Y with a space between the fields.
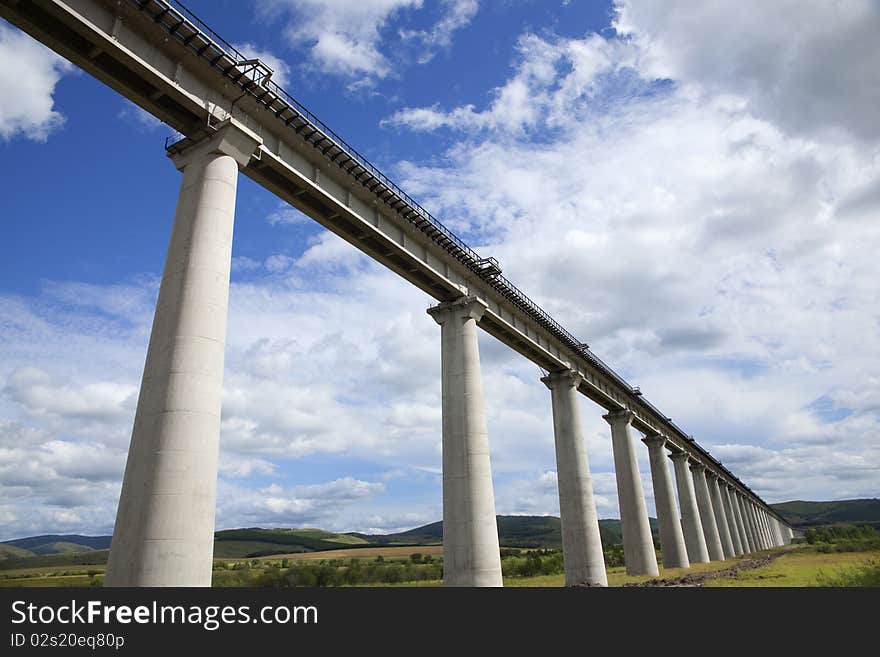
x=799 y=567
x=385 y=551
x=796 y=566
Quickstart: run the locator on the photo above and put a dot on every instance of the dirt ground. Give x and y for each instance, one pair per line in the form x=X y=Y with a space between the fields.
x=698 y=579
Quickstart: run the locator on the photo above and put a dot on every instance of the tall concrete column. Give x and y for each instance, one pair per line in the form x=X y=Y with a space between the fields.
x=691 y=525
x=789 y=533
x=777 y=532
x=164 y=533
x=672 y=544
x=750 y=524
x=765 y=523
x=747 y=530
x=731 y=517
x=740 y=524
x=720 y=515
x=638 y=545
x=756 y=527
x=471 y=556
x=707 y=515
x=581 y=542
x=762 y=524
x=771 y=524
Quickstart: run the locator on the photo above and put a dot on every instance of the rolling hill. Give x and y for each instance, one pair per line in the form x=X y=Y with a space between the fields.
x=810 y=514
x=514 y=531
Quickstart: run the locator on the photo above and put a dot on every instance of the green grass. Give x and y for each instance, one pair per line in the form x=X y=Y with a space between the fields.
x=243 y=549
x=798 y=567
x=864 y=575
x=13 y=552
x=347 y=539
x=49 y=561
x=60 y=547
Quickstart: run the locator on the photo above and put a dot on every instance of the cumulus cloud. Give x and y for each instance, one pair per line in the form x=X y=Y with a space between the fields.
x=275 y=505
x=29 y=74
x=342 y=36
x=704 y=245
x=805 y=67
x=554 y=77
x=138 y=116
x=354 y=38
x=719 y=256
x=457 y=14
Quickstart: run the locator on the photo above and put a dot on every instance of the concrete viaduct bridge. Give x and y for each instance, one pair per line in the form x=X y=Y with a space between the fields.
x=233 y=117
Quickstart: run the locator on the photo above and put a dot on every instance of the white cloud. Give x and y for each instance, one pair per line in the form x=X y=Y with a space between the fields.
x=242 y=264
x=274 y=505
x=286 y=215
x=343 y=36
x=806 y=67
x=354 y=39
x=553 y=78
x=716 y=256
x=457 y=14
x=138 y=116
x=28 y=77
x=719 y=258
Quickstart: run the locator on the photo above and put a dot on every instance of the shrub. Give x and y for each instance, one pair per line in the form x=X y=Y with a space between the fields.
x=867 y=575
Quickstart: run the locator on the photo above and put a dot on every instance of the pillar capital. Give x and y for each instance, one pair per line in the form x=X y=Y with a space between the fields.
x=562 y=379
x=711 y=474
x=655 y=440
x=696 y=466
x=465 y=308
x=231 y=138
x=679 y=456
x=623 y=416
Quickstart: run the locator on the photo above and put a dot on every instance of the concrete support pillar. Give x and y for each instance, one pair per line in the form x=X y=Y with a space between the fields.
x=690 y=515
x=740 y=522
x=672 y=544
x=581 y=542
x=762 y=523
x=749 y=510
x=731 y=518
x=707 y=515
x=777 y=532
x=789 y=534
x=164 y=533
x=747 y=529
x=765 y=523
x=471 y=556
x=720 y=515
x=638 y=545
x=756 y=527
x=774 y=534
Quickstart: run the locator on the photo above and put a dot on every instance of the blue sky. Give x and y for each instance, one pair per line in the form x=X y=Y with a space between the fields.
x=693 y=191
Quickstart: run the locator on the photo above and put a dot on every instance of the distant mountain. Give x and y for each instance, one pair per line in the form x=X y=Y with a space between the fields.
x=13 y=552
x=256 y=542
x=49 y=544
x=513 y=531
x=807 y=514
